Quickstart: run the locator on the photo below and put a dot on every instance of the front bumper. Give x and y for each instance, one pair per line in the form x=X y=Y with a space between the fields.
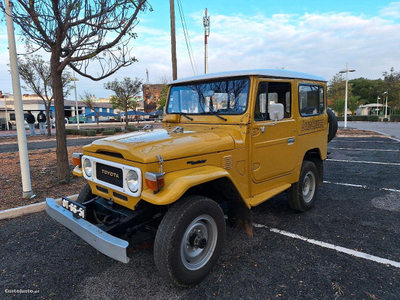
x=100 y=240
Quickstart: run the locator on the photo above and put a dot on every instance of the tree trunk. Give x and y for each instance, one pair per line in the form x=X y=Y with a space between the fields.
x=126 y=117
x=48 y=120
x=63 y=172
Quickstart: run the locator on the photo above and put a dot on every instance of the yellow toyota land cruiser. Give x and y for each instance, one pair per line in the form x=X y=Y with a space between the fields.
x=230 y=141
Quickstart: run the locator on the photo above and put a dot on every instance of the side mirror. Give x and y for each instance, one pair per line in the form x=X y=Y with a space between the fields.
x=276 y=111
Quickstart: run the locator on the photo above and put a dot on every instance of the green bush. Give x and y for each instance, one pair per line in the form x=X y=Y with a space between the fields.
x=131 y=128
x=373 y=118
x=358 y=118
x=108 y=131
x=116 y=129
x=395 y=118
x=89 y=132
x=385 y=119
x=73 y=131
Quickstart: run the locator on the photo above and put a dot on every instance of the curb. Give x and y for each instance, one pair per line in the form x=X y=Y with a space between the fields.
x=28 y=209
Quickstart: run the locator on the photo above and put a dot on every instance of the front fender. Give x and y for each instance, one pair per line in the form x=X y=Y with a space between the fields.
x=177 y=183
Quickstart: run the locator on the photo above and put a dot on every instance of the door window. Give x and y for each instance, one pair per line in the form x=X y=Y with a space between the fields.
x=271 y=93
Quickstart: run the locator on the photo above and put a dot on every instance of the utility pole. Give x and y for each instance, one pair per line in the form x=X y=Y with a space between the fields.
x=206 y=23
x=173 y=41
x=19 y=110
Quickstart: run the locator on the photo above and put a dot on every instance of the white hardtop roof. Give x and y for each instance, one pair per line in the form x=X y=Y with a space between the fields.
x=273 y=73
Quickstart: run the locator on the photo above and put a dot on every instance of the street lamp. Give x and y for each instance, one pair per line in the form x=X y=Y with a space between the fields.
x=386 y=94
x=377 y=105
x=347 y=70
x=74 y=79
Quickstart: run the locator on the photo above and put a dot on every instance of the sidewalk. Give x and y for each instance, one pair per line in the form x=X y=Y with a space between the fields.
x=388 y=128
x=13 y=133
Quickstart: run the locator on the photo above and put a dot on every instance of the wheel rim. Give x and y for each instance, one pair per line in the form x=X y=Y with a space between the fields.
x=309 y=184
x=199 y=242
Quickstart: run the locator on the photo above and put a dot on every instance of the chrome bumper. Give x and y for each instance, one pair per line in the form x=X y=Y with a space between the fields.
x=100 y=240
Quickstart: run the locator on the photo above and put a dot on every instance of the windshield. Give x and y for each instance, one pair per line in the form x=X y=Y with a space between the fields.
x=223 y=97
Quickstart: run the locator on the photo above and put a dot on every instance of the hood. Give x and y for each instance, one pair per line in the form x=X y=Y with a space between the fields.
x=144 y=146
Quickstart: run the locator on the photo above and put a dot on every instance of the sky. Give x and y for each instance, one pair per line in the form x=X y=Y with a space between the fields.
x=316 y=37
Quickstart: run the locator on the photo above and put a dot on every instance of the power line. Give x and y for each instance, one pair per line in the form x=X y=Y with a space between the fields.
x=187 y=38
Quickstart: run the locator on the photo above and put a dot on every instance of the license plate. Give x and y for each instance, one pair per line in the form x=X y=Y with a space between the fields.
x=78 y=210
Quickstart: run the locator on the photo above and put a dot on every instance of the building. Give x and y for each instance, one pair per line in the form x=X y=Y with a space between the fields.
x=151 y=95
x=372 y=109
x=35 y=104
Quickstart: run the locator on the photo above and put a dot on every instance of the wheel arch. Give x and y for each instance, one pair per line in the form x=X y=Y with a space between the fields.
x=201 y=181
x=314 y=155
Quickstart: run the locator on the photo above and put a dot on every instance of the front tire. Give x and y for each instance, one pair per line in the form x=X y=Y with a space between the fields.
x=189 y=240
x=302 y=194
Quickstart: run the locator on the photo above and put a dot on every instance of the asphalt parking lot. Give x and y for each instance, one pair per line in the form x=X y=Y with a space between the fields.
x=347 y=247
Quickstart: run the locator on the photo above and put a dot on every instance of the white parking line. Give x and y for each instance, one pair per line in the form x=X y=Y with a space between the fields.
x=333 y=247
x=360 y=186
x=361 y=149
x=363 y=162
x=355 y=141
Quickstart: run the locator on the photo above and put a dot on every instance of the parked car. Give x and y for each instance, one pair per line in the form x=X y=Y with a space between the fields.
x=229 y=142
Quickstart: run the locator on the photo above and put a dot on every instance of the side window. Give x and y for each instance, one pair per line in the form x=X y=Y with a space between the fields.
x=311 y=99
x=270 y=93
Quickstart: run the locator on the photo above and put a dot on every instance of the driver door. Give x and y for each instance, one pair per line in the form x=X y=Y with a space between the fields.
x=273 y=142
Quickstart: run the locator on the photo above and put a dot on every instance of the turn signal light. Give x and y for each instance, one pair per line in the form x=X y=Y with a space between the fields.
x=77 y=159
x=154 y=181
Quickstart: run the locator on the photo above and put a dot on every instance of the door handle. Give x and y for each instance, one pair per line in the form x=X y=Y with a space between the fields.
x=290 y=141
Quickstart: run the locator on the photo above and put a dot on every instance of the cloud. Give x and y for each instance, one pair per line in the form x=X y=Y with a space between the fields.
x=392 y=10
x=314 y=43
x=311 y=42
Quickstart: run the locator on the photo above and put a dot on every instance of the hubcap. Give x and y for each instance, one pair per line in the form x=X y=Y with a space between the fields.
x=199 y=242
x=309 y=184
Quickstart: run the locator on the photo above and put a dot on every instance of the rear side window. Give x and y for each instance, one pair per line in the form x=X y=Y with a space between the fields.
x=311 y=99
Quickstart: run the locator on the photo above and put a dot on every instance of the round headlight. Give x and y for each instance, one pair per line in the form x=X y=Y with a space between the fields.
x=132 y=181
x=87 y=167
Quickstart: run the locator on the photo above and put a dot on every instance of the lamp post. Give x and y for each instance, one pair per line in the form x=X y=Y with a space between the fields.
x=347 y=70
x=74 y=79
x=377 y=106
x=19 y=110
x=386 y=94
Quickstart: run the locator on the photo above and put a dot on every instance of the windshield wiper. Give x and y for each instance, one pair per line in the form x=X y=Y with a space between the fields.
x=217 y=114
x=186 y=116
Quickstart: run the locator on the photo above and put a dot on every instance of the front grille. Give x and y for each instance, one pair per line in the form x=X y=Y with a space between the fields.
x=109 y=174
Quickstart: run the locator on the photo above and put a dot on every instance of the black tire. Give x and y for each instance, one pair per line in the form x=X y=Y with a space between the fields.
x=302 y=194
x=189 y=240
x=86 y=195
x=332 y=125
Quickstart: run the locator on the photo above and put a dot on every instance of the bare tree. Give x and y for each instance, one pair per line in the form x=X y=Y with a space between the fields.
x=125 y=91
x=36 y=74
x=78 y=33
x=88 y=99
